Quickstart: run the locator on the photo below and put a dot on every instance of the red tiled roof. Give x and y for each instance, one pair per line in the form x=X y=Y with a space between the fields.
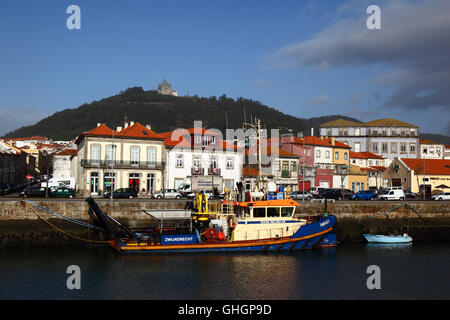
x=67 y=152
x=30 y=138
x=428 y=166
x=364 y=155
x=268 y=151
x=137 y=130
x=426 y=141
x=316 y=141
x=185 y=141
x=379 y=168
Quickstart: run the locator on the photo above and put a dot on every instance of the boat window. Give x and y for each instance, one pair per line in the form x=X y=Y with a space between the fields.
x=259 y=212
x=286 y=211
x=273 y=212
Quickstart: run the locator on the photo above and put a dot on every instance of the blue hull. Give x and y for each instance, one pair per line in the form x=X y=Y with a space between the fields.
x=377 y=238
x=316 y=234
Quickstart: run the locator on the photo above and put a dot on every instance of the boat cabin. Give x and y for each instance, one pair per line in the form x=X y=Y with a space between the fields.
x=265 y=220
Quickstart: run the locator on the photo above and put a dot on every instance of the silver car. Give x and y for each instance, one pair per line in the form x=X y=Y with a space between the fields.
x=168 y=194
x=300 y=195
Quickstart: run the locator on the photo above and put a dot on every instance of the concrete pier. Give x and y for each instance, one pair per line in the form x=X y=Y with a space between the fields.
x=21 y=227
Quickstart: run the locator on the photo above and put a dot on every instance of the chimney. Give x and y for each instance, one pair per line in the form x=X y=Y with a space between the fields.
x=131 y=123
x=148 y=127
x=332 y=141
x=126 y=125
x=312 y=132
x=119 y=129
x=99 y=124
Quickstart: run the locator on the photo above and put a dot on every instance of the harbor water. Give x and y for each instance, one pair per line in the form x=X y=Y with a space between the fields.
x=411 y=271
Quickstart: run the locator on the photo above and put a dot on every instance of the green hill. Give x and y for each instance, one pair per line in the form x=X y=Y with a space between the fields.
x=165 y=113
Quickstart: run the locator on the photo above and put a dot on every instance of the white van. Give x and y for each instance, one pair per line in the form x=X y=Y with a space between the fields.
x=394 y=193
x=60 y=182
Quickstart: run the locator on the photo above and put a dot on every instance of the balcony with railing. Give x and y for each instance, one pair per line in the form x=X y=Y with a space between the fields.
x=197 y=171
x=92 y=163
x=214 y=171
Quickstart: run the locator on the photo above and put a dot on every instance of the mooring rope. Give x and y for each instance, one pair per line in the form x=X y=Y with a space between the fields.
x=62 y=231
x=84 y=224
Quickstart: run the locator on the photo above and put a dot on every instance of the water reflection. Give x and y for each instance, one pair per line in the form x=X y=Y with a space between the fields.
x=388 y=246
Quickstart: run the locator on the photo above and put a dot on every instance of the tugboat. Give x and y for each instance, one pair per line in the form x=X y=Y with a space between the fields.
x=264 y=226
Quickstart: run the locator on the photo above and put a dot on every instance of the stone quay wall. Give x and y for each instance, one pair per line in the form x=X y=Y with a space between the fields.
x=21 y=227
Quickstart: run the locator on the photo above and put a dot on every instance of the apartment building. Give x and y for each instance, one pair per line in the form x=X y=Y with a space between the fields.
x=200 y=157
x=128 y=157
x=389 y=138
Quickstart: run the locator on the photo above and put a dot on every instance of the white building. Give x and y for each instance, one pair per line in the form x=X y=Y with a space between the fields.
x=431 y=150
x=166 y=88
x=389 y=138
x=201 y=158
x=65 y=164
x=129 y=157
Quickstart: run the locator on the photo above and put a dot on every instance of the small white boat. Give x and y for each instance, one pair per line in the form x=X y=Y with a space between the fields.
x=379 y=238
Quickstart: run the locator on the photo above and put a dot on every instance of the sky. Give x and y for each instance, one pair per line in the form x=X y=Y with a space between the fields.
x=304 y=58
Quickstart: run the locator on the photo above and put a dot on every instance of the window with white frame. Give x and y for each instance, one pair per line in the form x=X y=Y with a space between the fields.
x=318 y=154
x=403 y=147
x=110 y=153
x=151 y=156
x=179 y=161
x=134 y=155
x=196 y=162
x=336 y=155
x=229 y=163
x=95 y=153
x=327 y=154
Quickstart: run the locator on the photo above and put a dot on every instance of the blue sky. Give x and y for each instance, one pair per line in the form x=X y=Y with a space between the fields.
x=300 y=57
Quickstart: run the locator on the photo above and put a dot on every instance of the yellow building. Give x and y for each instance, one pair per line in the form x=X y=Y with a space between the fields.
x=358 y=179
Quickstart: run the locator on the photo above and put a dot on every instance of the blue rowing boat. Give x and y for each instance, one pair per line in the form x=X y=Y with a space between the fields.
x=379 y=238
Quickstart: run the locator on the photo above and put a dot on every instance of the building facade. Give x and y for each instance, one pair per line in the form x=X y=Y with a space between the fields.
x=389 y=138
x=431 y=150
x=129 y=157
x=200 y=157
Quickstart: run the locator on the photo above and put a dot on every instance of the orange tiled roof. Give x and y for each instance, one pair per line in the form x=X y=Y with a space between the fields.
x=268 y=151
x=428 y=166
x=67 y=152
x=138 y=130
x=316 y=141
x=364 y=155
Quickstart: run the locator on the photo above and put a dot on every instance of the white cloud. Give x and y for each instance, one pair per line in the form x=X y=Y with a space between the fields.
x=414 y=43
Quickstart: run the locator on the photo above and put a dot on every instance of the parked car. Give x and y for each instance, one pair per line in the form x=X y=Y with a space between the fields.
x=411 y=195
x=364 y=195
x=300 y=195
x=441 y=196
x=123 y=193
x=317 y=191
x=168 y=194
x=337 y=194
x=35 y=191
x=394 y=193
x=184 y=189
x=63 y=192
